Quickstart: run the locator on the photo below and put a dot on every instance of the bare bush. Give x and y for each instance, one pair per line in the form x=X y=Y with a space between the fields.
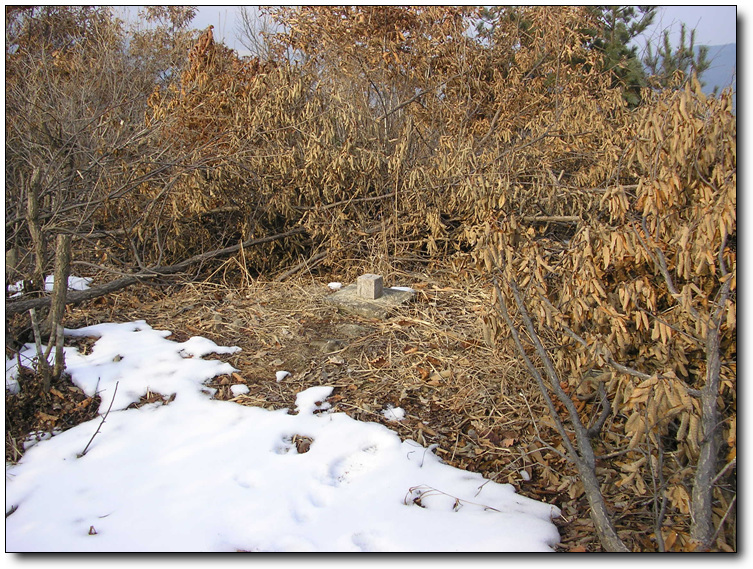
x=642 y=297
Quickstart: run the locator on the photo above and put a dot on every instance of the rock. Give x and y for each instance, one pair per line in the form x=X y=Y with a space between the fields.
x=348 y=300
x=370 y=287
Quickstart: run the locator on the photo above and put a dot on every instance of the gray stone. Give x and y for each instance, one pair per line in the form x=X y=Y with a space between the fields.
x=348 y=300
x=370 y=287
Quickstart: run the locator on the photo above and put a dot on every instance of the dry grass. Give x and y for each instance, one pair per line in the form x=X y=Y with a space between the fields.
x=475 y=401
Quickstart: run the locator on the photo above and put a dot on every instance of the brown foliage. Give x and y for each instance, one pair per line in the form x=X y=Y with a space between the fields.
x=640 y=283
x=429 y=141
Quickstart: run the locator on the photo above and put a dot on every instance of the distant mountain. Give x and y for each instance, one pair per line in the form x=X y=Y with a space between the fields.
x=723 y=69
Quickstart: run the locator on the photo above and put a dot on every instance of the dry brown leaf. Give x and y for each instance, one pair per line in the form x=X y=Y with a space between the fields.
x=379 y=361
x=577 y=549
x=427 y=429
x=436 y=362
x=46 y=417
x=435 y=380
x=56 y=393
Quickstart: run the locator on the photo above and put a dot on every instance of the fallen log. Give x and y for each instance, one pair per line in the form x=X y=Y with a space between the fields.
x=76 y=297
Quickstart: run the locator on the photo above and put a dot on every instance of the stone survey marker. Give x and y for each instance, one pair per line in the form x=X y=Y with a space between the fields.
x=370 y=287
x=368 y=297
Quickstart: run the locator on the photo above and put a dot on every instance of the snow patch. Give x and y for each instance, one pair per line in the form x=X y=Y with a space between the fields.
x=74 y=283
x=313 y=399
x=393 y=413
x=280 y=375
x=239 y=389
x=208 y=476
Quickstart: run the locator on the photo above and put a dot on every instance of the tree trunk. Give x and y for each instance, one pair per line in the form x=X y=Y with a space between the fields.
x=702 y=528
x=35 y=229
x=60 y=286
x=59 y=296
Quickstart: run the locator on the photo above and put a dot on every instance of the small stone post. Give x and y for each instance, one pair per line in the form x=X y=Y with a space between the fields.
x=370 y=286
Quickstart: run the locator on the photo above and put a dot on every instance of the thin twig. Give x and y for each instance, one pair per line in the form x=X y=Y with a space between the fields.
x=731 y=464
x=417 y=96
x=536 y=375
x=101 y=422
x=310 y=263
x=724 y=518
x=606 y=410
x=538 y=433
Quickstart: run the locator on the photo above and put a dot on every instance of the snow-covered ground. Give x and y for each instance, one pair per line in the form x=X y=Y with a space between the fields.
x=205 y=475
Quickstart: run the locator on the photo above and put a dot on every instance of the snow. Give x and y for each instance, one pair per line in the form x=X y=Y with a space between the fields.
x=280 y=375
x=74 y=283
x=11 y=383
x=206 y=475
x=239 y=389
x=16 y=288
x=393 y=413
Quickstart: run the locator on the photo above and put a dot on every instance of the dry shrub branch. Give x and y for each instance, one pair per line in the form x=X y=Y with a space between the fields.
x=641 y=302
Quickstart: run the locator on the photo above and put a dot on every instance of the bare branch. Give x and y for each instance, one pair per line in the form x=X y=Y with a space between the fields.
x=553 y=219
x=417 y=96
x=536 y=375
x=75 y=297
x=102 y=422
x=606 y=410
x=660 y=261
x=581 y=453
x=611 y=361
x=731 y=464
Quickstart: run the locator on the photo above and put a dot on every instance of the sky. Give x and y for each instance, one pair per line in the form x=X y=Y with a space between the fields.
x=714 y=25
x=204 y=475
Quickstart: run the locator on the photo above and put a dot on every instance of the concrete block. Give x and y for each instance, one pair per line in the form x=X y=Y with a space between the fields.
x=370 y=287
x=348 y=300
